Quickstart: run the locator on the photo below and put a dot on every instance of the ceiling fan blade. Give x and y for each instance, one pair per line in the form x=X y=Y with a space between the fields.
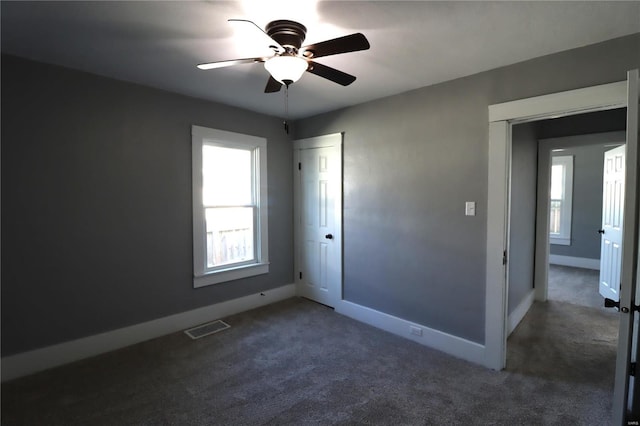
x=273 y=86
x=349 y=43
x=222 y=64
x=330 y=73
x=271 y=42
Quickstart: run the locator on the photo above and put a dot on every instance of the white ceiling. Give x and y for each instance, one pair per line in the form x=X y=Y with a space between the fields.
x=413 y=44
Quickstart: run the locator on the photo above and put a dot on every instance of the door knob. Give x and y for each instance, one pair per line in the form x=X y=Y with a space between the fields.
x=608 y=303
x=600 y=231
x=329 y=236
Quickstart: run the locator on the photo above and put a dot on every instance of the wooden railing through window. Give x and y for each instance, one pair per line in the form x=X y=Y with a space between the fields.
x=229 y=246
x=554 y=222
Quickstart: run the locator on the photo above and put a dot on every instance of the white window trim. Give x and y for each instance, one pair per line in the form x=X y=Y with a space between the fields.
x=564 y=237
x=199 y=137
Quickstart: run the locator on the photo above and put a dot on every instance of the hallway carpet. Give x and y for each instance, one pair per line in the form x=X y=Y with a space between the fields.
x=575 y=285
x=299 y=363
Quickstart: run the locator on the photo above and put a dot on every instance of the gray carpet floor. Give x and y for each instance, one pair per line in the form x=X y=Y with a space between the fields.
x=575 y=285
x=298 y=363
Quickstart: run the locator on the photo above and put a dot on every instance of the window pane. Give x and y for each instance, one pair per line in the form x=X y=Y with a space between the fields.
x=557 y=182
x=556 y=210
x=227 y=174
x=229 y=235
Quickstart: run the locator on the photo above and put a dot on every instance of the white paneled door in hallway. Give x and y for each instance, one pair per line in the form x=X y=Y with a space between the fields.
x=612 y=222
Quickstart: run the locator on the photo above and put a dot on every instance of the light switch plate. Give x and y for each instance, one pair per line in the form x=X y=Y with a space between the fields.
x=470 y=208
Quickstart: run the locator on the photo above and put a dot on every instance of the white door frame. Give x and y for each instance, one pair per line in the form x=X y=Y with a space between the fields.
x=501 y=118
x=331 y=140
x=628 y=329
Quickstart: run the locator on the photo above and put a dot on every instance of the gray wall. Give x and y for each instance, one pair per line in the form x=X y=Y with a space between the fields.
x=522 y=224
x=96 y=204
x=96 y=195
x=410 y=163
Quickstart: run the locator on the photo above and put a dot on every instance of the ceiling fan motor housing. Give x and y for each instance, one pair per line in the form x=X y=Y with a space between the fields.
x=289 y=34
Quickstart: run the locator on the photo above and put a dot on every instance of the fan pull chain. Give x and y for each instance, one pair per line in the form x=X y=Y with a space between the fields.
x=286 y=108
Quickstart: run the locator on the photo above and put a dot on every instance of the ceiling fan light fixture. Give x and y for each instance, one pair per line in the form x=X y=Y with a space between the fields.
x=286 y=69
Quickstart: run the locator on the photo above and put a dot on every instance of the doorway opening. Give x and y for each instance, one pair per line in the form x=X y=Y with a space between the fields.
x=581 y=141
x=501 y=119
x=563 y=330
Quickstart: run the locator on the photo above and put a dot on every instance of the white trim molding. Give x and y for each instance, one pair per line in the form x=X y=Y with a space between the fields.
x=576 y=262
x=496 y=275
x=603 y=97
x=204 y=274
x=520 y=311
x=334 y=141
x=450 y=344
x=30 y=362
x=329 y=140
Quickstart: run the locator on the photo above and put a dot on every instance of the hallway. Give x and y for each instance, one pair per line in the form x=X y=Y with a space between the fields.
x=571 y=341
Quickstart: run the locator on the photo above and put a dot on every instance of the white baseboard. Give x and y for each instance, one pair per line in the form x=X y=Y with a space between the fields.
x=30 y=362
x=576 y=262
x=452 y=345
x=520 y=311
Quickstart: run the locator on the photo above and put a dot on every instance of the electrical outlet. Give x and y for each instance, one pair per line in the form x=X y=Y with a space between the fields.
x=416 y=331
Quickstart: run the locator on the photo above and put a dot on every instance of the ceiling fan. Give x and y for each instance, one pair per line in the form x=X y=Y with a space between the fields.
x=290 y=60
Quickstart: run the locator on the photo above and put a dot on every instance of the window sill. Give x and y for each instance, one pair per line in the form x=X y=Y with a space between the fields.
x=230 y=274
x=560 y=241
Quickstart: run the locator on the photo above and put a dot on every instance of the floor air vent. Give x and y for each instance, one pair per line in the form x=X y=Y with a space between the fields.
x=206 y=329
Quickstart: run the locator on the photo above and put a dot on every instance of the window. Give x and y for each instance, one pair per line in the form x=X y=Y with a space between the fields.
x=560 y=203
x=229 y=206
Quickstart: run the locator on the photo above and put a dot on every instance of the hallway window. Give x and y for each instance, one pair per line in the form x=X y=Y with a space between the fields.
x=229 y=206
x=561 y=197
